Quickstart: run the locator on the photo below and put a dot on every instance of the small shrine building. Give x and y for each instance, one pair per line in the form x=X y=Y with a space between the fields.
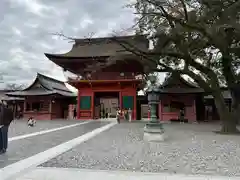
x=176 y=94
x=45 y=99
x=15 y=103
x=105 y=74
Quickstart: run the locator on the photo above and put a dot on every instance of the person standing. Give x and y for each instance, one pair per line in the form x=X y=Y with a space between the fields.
x=124 y=114
x=181 y=116
x=106 y=113
x=130 y=115
x=74 y=113
x=6 y=117
x=103 y=113
x=1 y=126
x=118 y=115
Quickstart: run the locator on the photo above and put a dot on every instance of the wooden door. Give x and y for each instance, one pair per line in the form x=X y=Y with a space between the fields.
x=110 y=105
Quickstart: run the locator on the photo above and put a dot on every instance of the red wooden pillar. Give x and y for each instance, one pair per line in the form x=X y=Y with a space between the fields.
x=120 y=99
x=135 y=107
x=92 y=105
x=50 y=108
x=194 y=106
x=25 y=105
x=78 y=105
x=194 y=110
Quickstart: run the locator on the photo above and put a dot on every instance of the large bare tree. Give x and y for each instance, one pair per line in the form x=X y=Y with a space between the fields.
x=198 y=38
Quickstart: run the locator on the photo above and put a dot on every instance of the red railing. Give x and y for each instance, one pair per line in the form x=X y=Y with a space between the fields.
x=103 y=76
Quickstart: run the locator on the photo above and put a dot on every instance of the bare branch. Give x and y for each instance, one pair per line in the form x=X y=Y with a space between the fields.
x=185 y=9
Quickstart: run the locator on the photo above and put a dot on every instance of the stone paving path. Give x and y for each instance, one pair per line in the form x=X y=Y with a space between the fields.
x=27 y=147
x=189 y=149
x=19 y=127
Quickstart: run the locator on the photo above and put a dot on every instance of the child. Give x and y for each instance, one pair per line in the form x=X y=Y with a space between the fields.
x=31 y=122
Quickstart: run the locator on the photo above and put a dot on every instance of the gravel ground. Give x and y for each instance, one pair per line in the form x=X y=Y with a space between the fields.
x=19 y=127
x=27 y=147
x=189 y=149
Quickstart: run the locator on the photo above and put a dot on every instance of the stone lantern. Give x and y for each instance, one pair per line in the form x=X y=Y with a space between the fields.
x=153 y=131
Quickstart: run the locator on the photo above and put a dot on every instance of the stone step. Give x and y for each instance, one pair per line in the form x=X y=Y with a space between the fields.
x=76 y=174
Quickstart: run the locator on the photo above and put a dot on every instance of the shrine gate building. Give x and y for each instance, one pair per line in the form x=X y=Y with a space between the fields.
x=105 y=74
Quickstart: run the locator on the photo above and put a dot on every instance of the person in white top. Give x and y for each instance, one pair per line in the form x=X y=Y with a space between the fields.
x=130 y=115
x=118 y=115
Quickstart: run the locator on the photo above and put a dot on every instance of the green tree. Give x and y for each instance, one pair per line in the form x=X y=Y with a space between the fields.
x=198 y=38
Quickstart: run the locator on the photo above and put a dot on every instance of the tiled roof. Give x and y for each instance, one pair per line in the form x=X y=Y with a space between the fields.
x=47 y=86
x=52 y=84
x=4 y=97
x=102 y=47
x=174 y=78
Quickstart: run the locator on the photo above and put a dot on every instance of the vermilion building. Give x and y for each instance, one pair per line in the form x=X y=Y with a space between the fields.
x=45 y=99
x=106 y=74
x=176 y=94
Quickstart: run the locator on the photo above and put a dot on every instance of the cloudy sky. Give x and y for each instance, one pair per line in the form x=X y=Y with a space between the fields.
x=26 y=28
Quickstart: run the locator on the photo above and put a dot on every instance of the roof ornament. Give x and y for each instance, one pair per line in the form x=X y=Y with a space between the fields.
x=89 y=76
x=69 y=75
x=89 y=37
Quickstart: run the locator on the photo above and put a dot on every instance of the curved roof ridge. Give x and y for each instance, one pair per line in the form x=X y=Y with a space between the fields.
x=104 y=38
x=181 y=78
x=48 y=77
x=100 y=46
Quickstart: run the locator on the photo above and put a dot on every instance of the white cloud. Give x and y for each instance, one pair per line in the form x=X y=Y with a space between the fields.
x=26 y=28
x=85 y=22
x=32 y=6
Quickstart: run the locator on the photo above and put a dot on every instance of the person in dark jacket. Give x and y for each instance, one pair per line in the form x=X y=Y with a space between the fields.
x=118 y=115
x=74 y=113
x=181 y=116
x=1 y=126
x=6 y=117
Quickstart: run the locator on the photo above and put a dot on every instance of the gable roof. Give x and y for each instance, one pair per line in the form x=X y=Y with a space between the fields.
x=102 y=46
x=87 y=54
x=4 y=97
x=44 y=85
x=175 y=83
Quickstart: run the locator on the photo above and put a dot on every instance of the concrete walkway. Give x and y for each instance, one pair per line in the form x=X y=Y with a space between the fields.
x=14 y=170
x=76 y=174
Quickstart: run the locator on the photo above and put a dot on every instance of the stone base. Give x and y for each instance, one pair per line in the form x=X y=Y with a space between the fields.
x=153 y=132
x=154 y=137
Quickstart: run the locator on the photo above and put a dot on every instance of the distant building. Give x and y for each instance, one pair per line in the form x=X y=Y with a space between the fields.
x=46 y=98
x=15 y=103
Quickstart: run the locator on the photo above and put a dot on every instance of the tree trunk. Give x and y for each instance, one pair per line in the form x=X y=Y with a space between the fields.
x=229 y=124
x=235 y=107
